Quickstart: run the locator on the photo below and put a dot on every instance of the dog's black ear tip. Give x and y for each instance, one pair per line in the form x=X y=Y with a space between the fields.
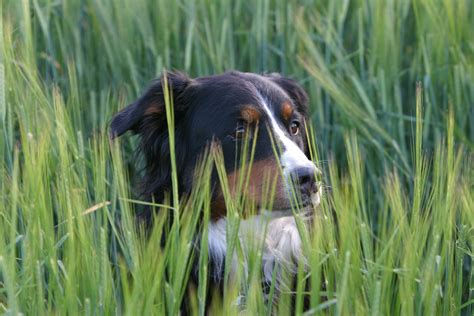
x=120 y=123
x=113 y=134
x=114 y=130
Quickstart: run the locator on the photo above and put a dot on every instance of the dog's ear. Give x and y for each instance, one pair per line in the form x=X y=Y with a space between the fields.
x=150 y=105
x=299 y=98
x=294 y=91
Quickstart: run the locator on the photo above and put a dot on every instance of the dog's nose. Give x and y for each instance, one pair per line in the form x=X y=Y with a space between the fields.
x=305 y=179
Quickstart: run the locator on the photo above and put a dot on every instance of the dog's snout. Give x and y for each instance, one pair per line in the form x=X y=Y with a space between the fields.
x=305 y=179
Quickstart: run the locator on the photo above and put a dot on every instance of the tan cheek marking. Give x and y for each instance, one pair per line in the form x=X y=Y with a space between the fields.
x=250 y=114
x=262 y=171
x=286 y=110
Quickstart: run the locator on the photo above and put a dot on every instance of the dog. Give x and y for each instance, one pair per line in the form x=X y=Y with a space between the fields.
x=271 y=111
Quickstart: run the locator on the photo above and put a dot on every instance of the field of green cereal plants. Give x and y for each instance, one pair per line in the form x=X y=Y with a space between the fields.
x=391 y=86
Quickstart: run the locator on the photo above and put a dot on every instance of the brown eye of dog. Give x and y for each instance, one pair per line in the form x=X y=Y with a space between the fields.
x=295 y=128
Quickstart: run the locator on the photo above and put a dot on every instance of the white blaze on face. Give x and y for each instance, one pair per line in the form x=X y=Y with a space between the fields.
x=292 y=156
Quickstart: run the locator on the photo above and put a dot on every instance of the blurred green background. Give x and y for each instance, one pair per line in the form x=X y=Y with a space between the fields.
x=359 y=60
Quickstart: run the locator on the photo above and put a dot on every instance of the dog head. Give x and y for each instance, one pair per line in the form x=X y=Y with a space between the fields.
x=268 y=111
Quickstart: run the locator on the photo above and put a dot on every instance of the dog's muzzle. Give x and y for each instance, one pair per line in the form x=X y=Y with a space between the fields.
x=306 y=185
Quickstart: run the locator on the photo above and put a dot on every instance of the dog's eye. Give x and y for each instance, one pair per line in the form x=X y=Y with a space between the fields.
x=295 y=128
x=239 y=131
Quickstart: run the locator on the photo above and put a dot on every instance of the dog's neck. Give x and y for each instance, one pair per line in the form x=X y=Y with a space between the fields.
x=275 y=233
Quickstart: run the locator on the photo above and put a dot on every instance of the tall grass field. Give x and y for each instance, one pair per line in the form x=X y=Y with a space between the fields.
x=391 y=86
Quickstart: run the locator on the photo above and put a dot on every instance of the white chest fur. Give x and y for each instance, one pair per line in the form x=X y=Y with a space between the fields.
x=275 y=232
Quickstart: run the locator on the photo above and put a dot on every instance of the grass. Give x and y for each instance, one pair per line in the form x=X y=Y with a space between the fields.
x=392 y=100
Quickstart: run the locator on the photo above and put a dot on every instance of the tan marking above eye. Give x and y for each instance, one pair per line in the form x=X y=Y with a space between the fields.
x=286 y=110
x=250 y=114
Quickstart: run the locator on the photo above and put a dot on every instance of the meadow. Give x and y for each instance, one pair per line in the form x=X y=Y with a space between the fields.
x=391 y=85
